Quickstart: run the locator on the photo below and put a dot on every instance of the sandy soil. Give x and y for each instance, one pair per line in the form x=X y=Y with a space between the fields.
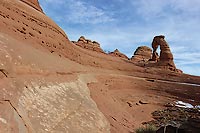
x=127 y=102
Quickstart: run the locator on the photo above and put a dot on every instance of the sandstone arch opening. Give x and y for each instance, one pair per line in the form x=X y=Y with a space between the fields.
x=165 y=58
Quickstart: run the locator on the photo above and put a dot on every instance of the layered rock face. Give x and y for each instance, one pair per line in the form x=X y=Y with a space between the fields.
x=33 y=3
x=166 y=56
x=142 y=53
x=88 y=44
x=41 y=91
x=45 y=80
x=117 y=53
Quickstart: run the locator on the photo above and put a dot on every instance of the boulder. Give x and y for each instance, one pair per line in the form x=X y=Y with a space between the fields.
x=88 y=44
x=142 y=53
x=117 y=53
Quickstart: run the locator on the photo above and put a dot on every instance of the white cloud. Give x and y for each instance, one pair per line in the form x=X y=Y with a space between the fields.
x=149 y=8
x=162 y=8
x=79 y=11
x=82 y=12
x=189 y=6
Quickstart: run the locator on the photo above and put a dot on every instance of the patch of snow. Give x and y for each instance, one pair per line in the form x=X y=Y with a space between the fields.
x=184 y=105
x=197 y=107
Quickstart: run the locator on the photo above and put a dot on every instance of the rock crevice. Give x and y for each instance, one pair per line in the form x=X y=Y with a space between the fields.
x=15 y=109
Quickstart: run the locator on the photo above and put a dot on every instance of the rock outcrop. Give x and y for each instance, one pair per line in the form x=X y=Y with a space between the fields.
x=38 y=93
x=33 y=3
x=88 y=44
x=117 y=53
x=48 y=84
x=166 y=56
x=142 y=53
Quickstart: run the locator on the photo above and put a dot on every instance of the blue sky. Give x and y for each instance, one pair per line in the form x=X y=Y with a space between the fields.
x=127 y=24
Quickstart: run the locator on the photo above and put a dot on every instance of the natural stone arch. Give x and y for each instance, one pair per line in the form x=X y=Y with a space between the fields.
x=166 y=56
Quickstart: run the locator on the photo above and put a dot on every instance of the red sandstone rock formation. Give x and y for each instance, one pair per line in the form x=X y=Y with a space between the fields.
x=142 y=53
x=45 y=81
x=88 y=44
x=155 y=57
x=166 y=56
x=31 y=45
x=117 y=53
x=33 y=3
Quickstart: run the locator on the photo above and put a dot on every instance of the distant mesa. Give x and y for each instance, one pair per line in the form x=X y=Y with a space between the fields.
x=88 y=44
x=117 y=53
x=142 y=53
x=33 y=3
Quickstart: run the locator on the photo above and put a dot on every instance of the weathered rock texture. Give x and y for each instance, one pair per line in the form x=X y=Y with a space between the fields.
x=166 y=56
x=88 y=44
x=44 y=80
x=60 y=107
x=142 y=53
x=33 y=102
x=117 y=53
x=40 y=91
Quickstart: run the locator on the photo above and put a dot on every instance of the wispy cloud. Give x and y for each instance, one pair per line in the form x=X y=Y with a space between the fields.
x=163 y=8
x=77 y=11
x=82 y=12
